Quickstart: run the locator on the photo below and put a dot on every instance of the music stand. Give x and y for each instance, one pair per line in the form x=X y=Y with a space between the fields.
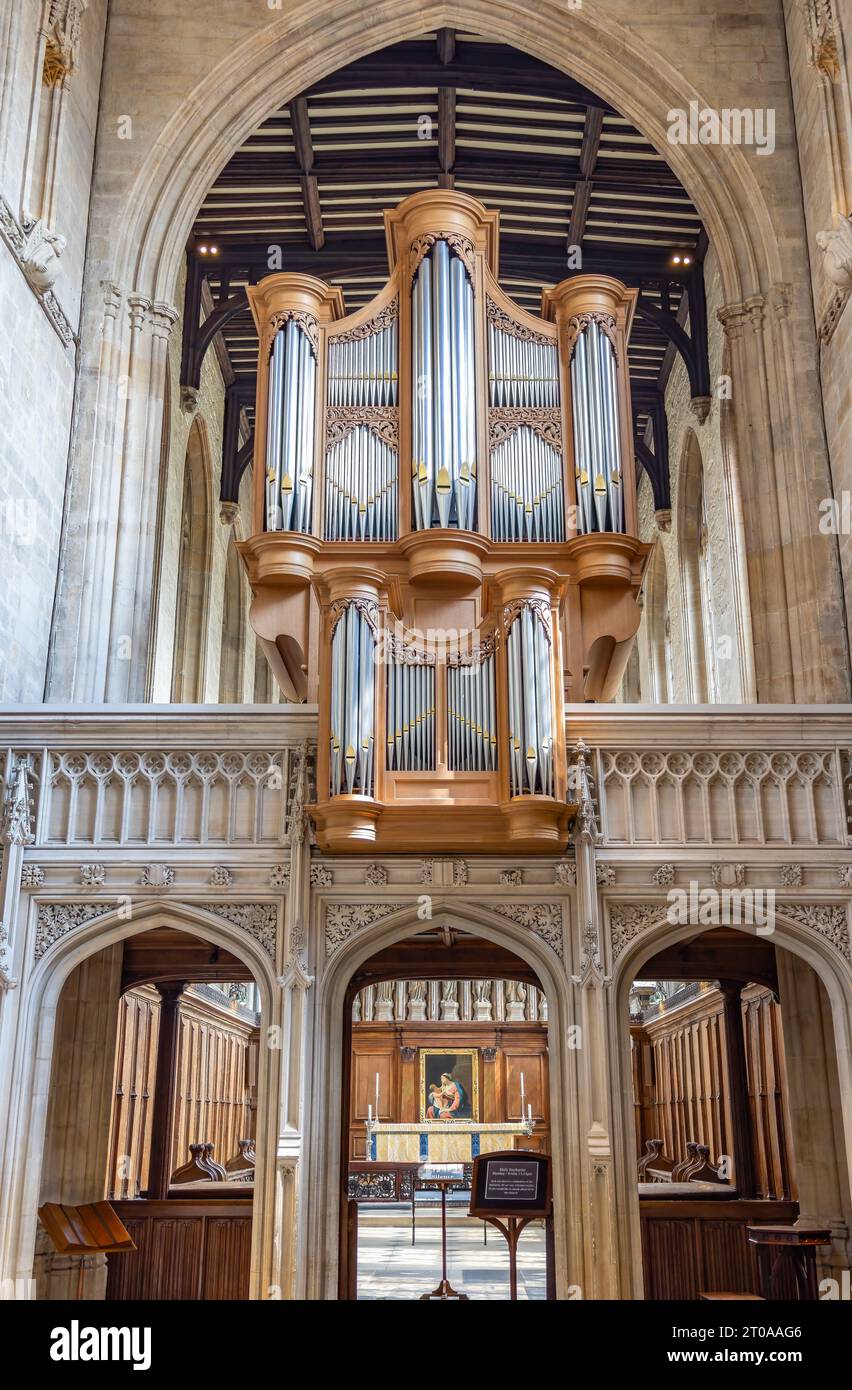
x=90 y=1229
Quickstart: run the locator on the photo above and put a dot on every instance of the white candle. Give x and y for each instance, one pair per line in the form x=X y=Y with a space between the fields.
x=529 y=1114
x=377 y=1095
x=369 y=1114
x=523 y=1095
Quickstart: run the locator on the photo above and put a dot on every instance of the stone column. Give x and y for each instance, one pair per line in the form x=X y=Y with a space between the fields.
x=295 y=982
x=132 y=598
x=102 y=620
x=593 y=994
x=793 y=570
x=76 y=1142
x=822 y=1177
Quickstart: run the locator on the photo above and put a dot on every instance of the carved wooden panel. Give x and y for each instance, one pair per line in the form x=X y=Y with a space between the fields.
x=681 y=1092
x=194 y=1250
x=702 y=1247
x=215 y=1096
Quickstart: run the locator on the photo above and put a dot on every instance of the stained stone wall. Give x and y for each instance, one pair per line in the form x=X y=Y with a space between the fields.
x=819 y=41
x=209 y=412
x=37 y=351
x=725 y=548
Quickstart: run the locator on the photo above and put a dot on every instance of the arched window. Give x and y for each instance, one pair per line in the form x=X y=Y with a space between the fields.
x=694 y=558
x=193 y=573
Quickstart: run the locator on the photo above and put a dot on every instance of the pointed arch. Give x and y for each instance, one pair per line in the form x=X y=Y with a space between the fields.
x=834 y=973
x=325 y=1085
x=34 y=1059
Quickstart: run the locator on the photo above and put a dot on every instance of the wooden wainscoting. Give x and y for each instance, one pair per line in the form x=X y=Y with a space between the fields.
x=681 y=1090
x=198 y=1250
x=690 y=1248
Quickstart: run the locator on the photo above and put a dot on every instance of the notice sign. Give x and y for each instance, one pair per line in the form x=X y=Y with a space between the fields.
x=511 y=1182
x=515 y=1182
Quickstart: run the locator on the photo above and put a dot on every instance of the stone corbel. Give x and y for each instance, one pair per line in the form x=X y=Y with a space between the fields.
x=37 y=250
x=700 y=407
x=836 y=247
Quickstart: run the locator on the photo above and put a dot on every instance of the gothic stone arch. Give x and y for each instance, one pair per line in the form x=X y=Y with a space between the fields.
x=655 y=934
x=142 y=231
x=323 y=1085
x=31 y=1082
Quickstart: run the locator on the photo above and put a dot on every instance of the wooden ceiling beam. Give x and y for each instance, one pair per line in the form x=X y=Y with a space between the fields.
x=301 y=127
x=478 y=67
x=446 y=46
x=446 y=135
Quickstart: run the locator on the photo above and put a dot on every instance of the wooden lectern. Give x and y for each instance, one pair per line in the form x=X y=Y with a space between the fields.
x=90 y=1229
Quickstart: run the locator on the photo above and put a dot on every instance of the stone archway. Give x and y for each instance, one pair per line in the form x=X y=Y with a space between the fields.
x=324 y=1087
x=767 y=316
x=32 y=1079
x=799 y=941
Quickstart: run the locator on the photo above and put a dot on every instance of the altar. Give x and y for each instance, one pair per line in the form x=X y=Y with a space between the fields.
x=440 y=1141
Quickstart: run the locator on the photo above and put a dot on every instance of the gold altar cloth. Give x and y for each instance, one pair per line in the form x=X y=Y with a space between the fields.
x=440 y=1141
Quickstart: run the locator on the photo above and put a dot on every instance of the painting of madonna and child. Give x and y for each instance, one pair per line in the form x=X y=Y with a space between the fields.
x=449 y=1084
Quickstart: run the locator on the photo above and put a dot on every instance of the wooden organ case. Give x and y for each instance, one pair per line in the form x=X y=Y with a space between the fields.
x=444 y=543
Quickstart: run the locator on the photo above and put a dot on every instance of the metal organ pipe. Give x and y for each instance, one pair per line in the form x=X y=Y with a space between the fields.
x=531 y=726
x=361 y=470
x=526 y=471
x=410 y=716
x=291 y=416
x=352 y=734
x=471 y=716
x=597 y=447
x=444 y=393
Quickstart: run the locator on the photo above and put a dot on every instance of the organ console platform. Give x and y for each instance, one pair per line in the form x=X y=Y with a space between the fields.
x=444 y=542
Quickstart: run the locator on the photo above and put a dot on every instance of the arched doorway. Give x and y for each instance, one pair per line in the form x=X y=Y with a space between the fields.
x=328 y=1085
x=67 y=1062
x=445 y=1034
x=758 y=1064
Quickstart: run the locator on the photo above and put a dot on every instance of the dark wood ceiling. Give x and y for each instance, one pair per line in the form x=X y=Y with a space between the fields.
x=443 y=953
x=449 y=109
x=167 y=955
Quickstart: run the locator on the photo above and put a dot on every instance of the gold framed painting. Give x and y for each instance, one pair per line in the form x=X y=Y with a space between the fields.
x=449 y=1083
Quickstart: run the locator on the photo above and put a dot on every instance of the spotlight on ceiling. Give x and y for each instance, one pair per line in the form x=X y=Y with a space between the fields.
x=202 y=250
x=675 y=260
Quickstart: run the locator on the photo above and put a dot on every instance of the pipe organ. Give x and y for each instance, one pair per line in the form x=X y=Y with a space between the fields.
x=444 y=543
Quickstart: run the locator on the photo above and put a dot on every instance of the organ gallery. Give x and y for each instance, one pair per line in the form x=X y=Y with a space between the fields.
x=425 y=724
